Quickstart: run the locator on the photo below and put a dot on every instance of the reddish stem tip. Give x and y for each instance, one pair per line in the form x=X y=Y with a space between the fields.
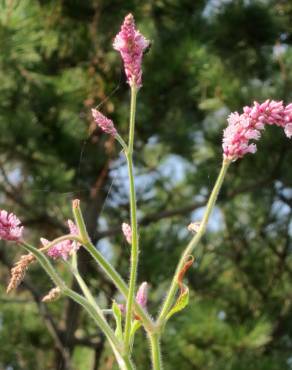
x=76 y=203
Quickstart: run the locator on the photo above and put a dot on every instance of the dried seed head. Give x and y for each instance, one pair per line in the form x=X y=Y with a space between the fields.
x=53 y=295
x=18 y=271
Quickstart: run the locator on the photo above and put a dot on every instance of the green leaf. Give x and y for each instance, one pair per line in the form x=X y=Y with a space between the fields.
x=135 y=326
x=181 y=302
x=183 y=298
x=118 y=317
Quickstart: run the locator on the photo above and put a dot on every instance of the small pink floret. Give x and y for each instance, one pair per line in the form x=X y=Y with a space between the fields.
x=65 y=248
x=60 y=250
x=142 y=294
x=141 y=297
x=247 y=126
x=288 y=130
x=131 y=44
x=127 y=231
x=10 y=228
x=103 y=122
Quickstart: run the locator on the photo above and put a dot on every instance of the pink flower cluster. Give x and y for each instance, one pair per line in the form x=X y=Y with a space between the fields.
x=65 y=248
x=103 y=122
x=127 y=231
x=247 y=126
x=131 y=44
x=10 y=228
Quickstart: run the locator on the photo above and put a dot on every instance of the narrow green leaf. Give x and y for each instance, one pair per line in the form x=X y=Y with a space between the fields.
x=135 y=326
x=183 y=298
x=118 y=317
x=181 y=303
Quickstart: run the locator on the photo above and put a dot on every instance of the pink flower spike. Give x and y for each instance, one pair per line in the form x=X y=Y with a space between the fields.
x=73 y=228
x=240 y=129
x=104 y=123
x=10 y=228
x=60 y=250
x=247 y=126
x=127 y=231
x=131 y=44
x=142 y=294
x=74 y=231
x=65 y=248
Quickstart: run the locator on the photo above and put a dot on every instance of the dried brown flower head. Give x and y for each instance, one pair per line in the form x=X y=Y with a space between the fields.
x=53 y=295
x=18 y=271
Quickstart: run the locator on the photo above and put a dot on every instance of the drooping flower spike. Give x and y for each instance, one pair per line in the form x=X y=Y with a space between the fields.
x=248 y=126
x=10 y=226
x=65 y=248
x=131 y=44
x=52 y=296
x=103 y=122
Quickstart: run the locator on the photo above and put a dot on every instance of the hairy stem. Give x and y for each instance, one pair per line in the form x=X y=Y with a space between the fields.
x=99 y=319
x=134 y=92
x=133 y=210
x=109 y=270
x=155 y=352
x=190 y=247
x=82 y=284
x=125 y=363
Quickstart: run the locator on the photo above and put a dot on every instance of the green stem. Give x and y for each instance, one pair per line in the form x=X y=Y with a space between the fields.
x=134 y=92
x=99 y=320
x=99 y=317
x=82 y=284
x=133 y=210
x=190 y=247
x=155 y=352
x=108 y=268
x=46 y=264
x=121 y=141
x=125 y=363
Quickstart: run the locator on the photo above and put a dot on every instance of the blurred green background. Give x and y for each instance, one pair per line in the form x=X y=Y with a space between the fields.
x=208 y=58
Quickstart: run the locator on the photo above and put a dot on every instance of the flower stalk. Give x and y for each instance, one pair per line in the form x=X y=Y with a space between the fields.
x=155 y=351
x=88 y=306
x=241 y=130
x=192 y=244
x=134 y=226
x=109 y=270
